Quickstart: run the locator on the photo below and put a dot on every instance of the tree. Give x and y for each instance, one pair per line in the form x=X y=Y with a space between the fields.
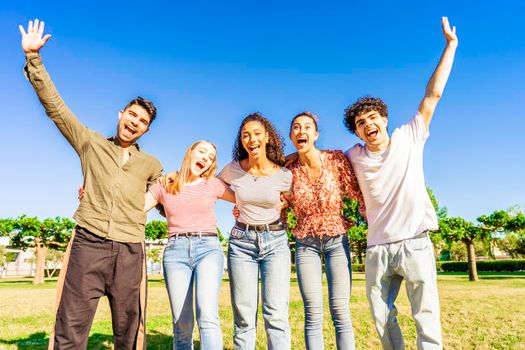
x=458 y=229
x=443 y=249
x=156 y=229
x=356 y=234
x=41 y=235
x=53 y=260
x=510 y=227
x=154 y=255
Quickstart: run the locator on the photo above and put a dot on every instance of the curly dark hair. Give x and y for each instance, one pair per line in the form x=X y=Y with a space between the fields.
x=274 y=147
x=364 y=104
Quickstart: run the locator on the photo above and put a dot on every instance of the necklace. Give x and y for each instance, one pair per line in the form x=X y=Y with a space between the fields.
x=306 y=169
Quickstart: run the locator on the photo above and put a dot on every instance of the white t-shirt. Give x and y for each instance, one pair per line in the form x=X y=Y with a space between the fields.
x=393 y=185
x=257 y=197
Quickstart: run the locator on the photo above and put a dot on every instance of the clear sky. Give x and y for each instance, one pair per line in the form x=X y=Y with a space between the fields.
x=207 y=64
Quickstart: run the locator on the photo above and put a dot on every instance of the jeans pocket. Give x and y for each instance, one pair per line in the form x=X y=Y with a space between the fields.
x=171 y=243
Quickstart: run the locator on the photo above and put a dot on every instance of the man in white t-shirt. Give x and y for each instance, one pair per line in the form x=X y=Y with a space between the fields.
x=399 y=212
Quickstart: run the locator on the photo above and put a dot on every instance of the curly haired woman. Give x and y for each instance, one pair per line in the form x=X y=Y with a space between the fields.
x=258 y=241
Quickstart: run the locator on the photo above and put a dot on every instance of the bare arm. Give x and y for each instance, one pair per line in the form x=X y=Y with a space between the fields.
x=439 y=78
x=228 y=195
x=149 y=202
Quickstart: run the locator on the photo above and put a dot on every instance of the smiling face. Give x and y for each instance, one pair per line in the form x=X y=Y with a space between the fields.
x=254 y=139
x=303 y=134
x=371 y=127
x=133 y=123
x=202 y=157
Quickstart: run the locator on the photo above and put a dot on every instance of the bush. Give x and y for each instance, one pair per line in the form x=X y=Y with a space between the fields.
x=358 y=267
x=484 y=265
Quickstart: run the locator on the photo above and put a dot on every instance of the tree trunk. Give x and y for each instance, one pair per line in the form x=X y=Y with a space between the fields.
x=40 y=257
x=360 y=257
x=471 y=257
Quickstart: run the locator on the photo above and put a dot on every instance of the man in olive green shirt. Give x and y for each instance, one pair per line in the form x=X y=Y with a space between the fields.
x=106 y=255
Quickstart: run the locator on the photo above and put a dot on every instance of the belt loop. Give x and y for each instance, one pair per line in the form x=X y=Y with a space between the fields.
x=200 y=235
x=246 y=228
x=267 y=227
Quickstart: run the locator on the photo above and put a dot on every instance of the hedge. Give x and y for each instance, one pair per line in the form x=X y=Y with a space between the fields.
x=358 y=267
x=484 y=265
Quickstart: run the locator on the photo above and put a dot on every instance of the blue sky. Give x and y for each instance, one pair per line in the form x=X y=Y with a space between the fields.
x=208 y=64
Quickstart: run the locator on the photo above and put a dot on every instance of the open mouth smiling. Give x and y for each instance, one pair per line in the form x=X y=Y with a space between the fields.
x=302 y=141
x=372 y=133
x=130 y=129
x=200 y=165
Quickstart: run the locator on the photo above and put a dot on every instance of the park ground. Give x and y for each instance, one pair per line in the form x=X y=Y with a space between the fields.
x=489 y=314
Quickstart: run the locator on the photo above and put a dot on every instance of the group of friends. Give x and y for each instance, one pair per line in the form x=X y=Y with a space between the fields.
x=384 y=174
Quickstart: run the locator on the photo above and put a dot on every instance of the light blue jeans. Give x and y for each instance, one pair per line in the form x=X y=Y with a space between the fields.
x=198 y=261
x=248 y=252
x=309 y=265
x=387 y=265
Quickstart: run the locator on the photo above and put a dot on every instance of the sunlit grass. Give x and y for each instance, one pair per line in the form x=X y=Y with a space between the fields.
x=489 y=314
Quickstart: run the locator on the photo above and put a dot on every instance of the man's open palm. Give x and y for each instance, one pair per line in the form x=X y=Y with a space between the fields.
x=34 y=39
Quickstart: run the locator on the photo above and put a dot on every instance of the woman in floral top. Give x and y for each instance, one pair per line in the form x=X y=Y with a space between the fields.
x=321 y=179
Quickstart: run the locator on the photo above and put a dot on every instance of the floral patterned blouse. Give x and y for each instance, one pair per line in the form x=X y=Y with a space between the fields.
x=318 y=204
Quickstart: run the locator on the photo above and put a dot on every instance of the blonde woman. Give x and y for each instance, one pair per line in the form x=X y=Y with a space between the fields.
x=193 y=255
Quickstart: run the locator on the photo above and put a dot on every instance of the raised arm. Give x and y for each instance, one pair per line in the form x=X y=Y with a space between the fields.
x=439 y=78
x=32 y=41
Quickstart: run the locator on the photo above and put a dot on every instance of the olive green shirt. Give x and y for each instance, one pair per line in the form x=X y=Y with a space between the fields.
x=113 y=204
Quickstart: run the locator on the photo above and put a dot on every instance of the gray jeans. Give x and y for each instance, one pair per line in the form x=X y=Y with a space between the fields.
x=386 y=266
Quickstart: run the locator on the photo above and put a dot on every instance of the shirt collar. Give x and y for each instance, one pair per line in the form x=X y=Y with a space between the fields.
x=114 y=139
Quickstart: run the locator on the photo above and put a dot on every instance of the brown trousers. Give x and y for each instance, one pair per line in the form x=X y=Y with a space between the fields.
x=98 y=267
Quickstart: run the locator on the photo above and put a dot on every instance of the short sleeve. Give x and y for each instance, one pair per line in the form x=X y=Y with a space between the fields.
x=415 y=129
x=348 y=180
x=219 y=187
x=226 y=174
x=158 y=192
x=287 y=180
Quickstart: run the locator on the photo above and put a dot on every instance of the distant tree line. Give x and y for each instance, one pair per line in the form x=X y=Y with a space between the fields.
x=457 y=239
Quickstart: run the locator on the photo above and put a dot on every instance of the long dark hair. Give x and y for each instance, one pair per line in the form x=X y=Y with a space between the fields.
x=274 y=147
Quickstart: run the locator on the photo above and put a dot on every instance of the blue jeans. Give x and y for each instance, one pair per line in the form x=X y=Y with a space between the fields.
x=336 y=251
x=188 y=261
x=248 y=252
x=387 y=265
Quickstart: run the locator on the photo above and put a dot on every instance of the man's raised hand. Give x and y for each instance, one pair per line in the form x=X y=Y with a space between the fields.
x=34 y=39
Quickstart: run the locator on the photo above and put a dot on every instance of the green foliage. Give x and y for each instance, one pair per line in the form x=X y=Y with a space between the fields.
x=440 y=211
x=458 y=229
x=222 y=239
x=357 y=234
x=156 y=229
x=6 y=226
x=291 y=223
x=29 y=231
x=484 y=265
x=154 y=255
x=358 y=267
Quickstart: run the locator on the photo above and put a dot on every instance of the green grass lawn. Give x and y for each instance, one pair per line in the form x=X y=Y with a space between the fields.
x=489 y=314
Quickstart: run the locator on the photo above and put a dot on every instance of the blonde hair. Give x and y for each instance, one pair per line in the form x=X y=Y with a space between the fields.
x=176 y=182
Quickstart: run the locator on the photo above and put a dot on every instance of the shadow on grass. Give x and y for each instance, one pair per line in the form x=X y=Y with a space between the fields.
x=97 y=341
x=488 y=275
